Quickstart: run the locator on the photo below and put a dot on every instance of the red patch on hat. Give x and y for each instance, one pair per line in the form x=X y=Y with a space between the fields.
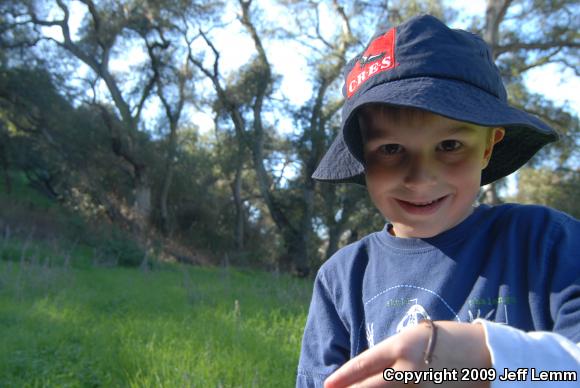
x=378 y=57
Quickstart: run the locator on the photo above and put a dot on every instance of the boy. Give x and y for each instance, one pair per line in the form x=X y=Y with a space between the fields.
x=484 y=294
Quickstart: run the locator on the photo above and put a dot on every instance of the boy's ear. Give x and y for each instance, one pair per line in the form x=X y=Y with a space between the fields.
x=496 y=135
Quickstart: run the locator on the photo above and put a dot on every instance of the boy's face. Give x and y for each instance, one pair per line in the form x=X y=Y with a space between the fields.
x=423 y=172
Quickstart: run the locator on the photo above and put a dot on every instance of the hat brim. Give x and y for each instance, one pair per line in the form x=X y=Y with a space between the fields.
x=524 y=133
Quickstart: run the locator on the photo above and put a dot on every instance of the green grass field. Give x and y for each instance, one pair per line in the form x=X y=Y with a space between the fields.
x=174 y=326
x=70 y=317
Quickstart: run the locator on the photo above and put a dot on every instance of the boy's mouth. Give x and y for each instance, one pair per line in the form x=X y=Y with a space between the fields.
x=427 y=207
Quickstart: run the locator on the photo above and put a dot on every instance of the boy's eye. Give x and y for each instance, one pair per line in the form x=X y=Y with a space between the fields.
x=390 y=149
x=449 y=145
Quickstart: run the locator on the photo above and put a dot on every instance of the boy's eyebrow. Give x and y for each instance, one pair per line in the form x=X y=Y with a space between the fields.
x=372 y=132
x=462 y=128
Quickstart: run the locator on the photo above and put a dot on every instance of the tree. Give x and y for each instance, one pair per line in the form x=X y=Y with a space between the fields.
x=292 y=208
x=244 y=102
x=244 y=188
x=551 y=37
x=29 y=106
x=559 y=189
x=107 y=28
x=101 y=29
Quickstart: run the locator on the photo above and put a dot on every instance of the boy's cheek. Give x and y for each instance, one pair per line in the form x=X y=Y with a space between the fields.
x=377 y=175
x=463 y=179
x=464 y=168
x=468 y=165
x=449 y=170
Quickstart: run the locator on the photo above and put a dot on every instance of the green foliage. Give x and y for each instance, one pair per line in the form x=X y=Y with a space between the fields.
x=89 y=142
x=119 y=248
x=22 y=194
x=36 y=228
x=559 y=189
x=125 y=327
x=12 y=252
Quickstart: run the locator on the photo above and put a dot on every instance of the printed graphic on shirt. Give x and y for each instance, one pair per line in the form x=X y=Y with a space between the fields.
x=370 y=335
x=402 y=306
x=413 y=316
x=473 y=317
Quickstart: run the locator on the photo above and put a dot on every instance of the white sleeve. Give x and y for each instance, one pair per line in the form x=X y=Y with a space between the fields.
x=540 y=355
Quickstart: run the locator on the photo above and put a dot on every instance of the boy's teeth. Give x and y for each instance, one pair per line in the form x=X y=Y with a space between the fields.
x=422 y=203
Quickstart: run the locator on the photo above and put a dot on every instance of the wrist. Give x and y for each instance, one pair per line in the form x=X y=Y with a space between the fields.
x=463 y=345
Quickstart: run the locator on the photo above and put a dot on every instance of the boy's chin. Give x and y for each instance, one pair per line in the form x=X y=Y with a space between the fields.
x=419 y=228
x=426 y=229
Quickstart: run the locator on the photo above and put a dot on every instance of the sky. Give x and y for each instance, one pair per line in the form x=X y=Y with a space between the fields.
x=549 y=80
x=236 y=47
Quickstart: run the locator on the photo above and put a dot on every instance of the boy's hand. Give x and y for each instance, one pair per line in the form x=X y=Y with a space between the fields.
x=458 y=345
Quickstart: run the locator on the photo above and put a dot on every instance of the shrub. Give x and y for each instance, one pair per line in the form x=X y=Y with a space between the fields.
x=122 y=249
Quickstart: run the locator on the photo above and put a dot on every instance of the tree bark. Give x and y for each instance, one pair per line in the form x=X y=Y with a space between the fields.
x=489 y=194
x=142 y=206
x=336 y=227
x=239 y=205
x=494 y=15
x=169 y=167
x=165 y=222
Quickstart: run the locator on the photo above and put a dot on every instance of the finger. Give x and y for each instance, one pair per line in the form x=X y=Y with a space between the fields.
x=369 y=363
x=378 y=380
x=375 y=381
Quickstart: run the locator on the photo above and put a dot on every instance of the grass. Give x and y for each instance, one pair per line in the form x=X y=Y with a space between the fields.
x=70 y=317
x=175 y=326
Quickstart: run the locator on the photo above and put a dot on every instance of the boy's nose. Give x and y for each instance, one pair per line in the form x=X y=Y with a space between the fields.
x=420 y=172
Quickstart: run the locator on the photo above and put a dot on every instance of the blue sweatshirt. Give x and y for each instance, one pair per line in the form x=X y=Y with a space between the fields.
x=517 y=265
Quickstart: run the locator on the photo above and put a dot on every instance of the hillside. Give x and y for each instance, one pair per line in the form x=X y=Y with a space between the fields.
x=70 y=317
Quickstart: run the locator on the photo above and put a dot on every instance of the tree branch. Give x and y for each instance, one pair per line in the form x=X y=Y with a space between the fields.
x=264 y=80
x=494 y=15
x=332 y=108
x=231 y=106
x=318 y=34
x=540 y=62
x=215 y=52
x=346 y=29
x=97 y=26
x=516 y=46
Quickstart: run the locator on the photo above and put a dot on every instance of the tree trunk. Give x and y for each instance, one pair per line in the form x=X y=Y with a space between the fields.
x=494 y=14
x=302 y=258
x=334 y=232
x=168 y=176
x=142 y=204
x=239 y=205
x=6 y=173
x=296 y=242
x=167 y=179
x=490 y=195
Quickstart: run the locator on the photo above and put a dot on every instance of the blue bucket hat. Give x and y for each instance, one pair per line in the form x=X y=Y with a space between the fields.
x=424 y=64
